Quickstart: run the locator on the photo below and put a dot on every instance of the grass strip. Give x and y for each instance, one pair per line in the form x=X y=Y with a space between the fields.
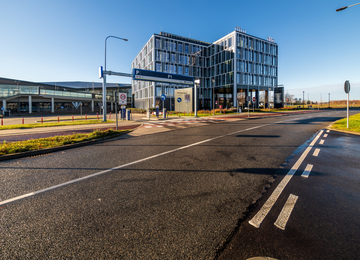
x=354 y=124
x=35 y=125
x=55 y=141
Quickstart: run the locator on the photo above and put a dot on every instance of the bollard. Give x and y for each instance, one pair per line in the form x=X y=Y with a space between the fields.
x=85 y=117
x=110 y=116
x=23 y=120
x=42 y=120
x=164 y=112
x=2 y=121
x=58 y=119
x=97 y=116
x=72 y=117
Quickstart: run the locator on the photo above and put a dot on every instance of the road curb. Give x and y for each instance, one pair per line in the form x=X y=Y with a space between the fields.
x=341 y=131
x=60 y=148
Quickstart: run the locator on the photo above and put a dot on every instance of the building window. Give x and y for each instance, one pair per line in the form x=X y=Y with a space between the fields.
x=158 y=67
x=180 y=70
x=180 y=47
x=186 y=48
x=187 y=71
x=158 y=92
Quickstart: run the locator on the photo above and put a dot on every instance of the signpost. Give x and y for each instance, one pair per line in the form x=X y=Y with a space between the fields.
x=163 y=98
x=347 y=90
x=179 y=101
x=254 y=100
x=122 y=98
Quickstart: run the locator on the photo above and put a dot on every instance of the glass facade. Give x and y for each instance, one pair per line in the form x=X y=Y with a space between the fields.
x=234 y=63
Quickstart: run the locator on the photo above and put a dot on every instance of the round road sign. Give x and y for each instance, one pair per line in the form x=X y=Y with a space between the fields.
x=179 y=100
x=254 y=99
x=347 y=86
x=122 y=97
x=163 y=97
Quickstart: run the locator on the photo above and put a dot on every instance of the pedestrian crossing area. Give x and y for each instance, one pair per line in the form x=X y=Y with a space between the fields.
x=181 y=123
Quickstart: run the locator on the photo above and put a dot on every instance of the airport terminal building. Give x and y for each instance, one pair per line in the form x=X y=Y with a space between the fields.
x=18 y=96
x=231 y=70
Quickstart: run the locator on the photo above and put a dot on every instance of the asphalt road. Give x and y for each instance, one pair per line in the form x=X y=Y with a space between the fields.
x=324 y=221
x=174 y=195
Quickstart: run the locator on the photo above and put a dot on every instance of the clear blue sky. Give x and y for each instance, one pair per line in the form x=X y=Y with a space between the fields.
x=63 y=40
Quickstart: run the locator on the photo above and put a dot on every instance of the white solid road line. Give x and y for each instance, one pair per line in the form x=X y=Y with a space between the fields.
x=260 y=216
x=134 y=162
x=286 y=211
x=316 y=152
x=307 y=171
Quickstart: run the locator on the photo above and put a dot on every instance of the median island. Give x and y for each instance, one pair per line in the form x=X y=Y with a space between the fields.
x=354 y=124
x=56 y=141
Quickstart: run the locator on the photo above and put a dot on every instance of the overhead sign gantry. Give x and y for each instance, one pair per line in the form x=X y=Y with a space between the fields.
x=148 y=75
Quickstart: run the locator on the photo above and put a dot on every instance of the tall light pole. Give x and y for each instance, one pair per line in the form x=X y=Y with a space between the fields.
x=329 y=100
x=18 y=97
x=303 y=99
x=343 y=8
x=104 y=78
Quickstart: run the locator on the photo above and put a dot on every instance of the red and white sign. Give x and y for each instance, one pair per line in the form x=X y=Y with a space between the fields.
x=254 y=99
x=122 y=98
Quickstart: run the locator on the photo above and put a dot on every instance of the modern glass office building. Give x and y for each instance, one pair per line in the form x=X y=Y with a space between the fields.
x=231 y=69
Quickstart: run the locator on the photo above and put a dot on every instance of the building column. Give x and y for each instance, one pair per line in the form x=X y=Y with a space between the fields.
x=30 y=105
x=92 y=105
x=4 y=104
x=52 y=105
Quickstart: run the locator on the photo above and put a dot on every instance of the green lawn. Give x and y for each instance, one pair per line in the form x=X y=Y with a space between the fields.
x=34 y=125
x=354 y=124
x=55 y=141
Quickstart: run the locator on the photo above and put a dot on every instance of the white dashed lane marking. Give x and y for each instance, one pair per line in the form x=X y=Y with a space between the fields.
x=265 y=209
x=286 y=212
x=316 y=152
x=322 y=141
x=307 y=171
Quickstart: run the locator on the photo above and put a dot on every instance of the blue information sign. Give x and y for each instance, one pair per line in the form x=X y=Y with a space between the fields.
x=179 y=99
x=163 y=97
x=149 y=75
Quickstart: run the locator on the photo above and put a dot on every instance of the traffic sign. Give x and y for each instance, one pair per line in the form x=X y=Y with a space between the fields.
x=347 y=86
x=254 y=99
x=163 y=97
x=148 y=75
x=122 y=98
x=179 y=100
x=101 y=72
x=2 y=108
x=187 y=98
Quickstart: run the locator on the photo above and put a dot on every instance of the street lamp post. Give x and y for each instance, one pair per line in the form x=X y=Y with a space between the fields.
x=343 y=8
x=303 y=99
x=104 y=79
x=18 y=97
